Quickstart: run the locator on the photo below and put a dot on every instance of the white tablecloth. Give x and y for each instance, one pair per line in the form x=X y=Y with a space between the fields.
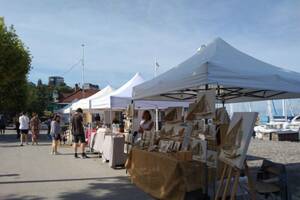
x=111 y=145
x=113 y=150
x=99 y=139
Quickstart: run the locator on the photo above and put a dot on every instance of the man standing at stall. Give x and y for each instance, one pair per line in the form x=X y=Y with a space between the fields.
x=78 y=133
x=24 y=128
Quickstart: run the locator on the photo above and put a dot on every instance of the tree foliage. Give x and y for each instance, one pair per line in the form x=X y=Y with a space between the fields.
x=15 y=64
x=39 y=97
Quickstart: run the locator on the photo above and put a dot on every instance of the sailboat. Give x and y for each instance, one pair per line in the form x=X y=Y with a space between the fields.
x=278 y=124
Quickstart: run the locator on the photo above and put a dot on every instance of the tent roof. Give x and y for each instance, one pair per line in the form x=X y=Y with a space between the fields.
x=66 y=109
x=84 y=103
x=236 y=76
x=121 y=98
x=123 y=92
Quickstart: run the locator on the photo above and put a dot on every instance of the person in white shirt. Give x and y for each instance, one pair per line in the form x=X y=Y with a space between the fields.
x=146 y=123
x=24 y=128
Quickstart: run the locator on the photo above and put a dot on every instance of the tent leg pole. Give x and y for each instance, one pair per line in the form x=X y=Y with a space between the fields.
x=110 y=117
x=156 y=119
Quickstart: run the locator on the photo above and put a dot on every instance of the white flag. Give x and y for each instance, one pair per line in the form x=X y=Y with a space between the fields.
x=157 y=65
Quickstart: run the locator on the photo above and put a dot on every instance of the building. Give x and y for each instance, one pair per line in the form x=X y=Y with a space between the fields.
x=56 y=81
x=66 y=99
x=78 y=94
x=89 y=86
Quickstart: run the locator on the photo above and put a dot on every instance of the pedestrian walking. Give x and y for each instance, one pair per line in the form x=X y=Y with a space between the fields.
x=24 y=127
x=48 y=122
x=17 y=125
x=55 y=133
x=2 y=124
x=78 y=133
x=35 y=128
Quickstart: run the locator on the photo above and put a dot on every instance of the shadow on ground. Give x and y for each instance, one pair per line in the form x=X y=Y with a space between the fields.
x=25 y=197
x=293 y=171
x=11 y=137
x=117 y=188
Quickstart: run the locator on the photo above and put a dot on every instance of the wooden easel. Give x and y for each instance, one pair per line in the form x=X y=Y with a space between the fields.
x=228 y=173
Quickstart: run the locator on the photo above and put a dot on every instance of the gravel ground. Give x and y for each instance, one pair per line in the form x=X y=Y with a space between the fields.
x=287 y=153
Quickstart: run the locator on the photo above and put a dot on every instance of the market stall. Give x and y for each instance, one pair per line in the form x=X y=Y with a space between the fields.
x=108 y=141
x=217 y=74
x=84 y=104
x=170 y=179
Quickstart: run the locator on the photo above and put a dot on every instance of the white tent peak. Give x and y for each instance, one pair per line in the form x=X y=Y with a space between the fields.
x=220 y=64
x=126 y=89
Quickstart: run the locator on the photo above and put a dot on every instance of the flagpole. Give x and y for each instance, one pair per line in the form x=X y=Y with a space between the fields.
x=83 y=95
x=155 y=68
x=156 y=65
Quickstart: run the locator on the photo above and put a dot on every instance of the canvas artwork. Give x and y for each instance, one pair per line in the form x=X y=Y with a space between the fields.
x=210 y=131
x=204 y=107
x=173 y=114
x=176 y=146
x=178 y=130
x=187 y=136
x=165 y=145
x=199 y=149
x=221 y=116
x=212 y=158
x=237 y=139
x=166 y=131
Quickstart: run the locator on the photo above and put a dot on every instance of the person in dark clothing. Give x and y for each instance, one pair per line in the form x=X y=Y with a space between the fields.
x=98 y=121
x=48 y=122
x=17 y=124
x=78 y=133
x=2 y=124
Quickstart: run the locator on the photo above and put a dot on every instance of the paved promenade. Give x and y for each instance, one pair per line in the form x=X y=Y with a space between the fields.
x=32 y=173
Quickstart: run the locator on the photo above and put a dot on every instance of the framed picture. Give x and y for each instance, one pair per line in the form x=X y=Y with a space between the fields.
x=186 y=138
x=237 y=139
x=212 y=158
x=165 y=145
x=204 y=107
x=173 y=114
x=166 y=131
x=176 y=146
x=221 y=116
x=199 y=149
x=210 y=131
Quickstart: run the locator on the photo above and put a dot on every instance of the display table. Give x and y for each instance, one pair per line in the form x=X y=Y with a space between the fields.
x=113 y=150
x=88 y=136
x=99 y=139
x=91 y=141
x=163 y=176
x=110 y=145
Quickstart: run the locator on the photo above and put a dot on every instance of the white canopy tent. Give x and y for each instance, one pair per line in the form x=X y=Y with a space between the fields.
x=121 y=98
x=236 y=76
x=85 y=103
x=66 y=109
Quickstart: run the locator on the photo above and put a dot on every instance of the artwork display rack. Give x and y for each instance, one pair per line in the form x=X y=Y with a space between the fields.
x=231 y=176
x=206 y=116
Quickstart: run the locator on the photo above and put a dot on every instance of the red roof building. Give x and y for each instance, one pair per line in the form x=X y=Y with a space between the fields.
x=78 y=94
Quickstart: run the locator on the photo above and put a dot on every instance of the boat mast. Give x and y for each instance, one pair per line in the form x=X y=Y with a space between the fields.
x=269 y=110
x=284 y=113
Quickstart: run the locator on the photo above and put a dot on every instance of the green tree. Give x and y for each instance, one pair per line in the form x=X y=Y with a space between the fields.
x=15 y=64
x=39 y=97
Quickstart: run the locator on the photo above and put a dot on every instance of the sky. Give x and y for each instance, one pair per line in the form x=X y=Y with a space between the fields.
x=124 y=37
